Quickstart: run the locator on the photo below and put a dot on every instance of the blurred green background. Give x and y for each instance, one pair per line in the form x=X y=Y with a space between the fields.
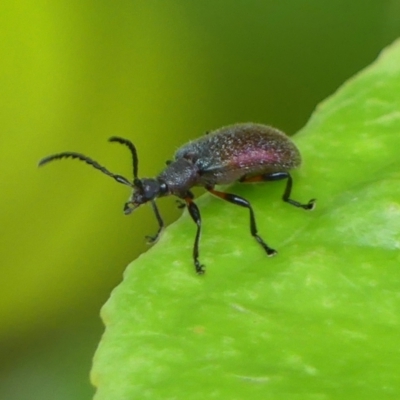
x=72 y=74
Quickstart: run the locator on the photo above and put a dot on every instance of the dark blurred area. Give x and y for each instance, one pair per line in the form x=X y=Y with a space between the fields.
x=159 y=73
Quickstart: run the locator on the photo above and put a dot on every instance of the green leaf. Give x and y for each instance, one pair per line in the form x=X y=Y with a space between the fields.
x=318 y=321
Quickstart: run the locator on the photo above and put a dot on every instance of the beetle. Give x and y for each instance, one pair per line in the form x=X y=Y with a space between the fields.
x=245 y=152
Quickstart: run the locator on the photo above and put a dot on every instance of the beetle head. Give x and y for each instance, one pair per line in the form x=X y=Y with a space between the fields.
x=144 y=190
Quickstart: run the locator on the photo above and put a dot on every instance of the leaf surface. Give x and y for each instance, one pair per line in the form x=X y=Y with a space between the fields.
x=319 y=320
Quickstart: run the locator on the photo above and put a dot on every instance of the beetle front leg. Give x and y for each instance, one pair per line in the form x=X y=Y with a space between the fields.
x=195 y=214
x=153 y=239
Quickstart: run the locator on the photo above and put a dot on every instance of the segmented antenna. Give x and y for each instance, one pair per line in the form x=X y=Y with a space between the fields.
x=132 y=148
x=87 y=160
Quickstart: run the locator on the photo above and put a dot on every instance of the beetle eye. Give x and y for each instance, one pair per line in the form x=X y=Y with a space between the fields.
x=138 y=183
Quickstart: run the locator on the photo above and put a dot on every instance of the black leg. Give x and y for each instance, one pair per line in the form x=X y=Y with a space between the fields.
x=240 y=201
x=153 y=239
x=182 y=204
x=195 y=214
x=277 y=176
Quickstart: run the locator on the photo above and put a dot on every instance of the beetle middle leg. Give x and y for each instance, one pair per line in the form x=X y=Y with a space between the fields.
x=182 y=204
x=277 y=176
x=195 y=214
x=240 y=201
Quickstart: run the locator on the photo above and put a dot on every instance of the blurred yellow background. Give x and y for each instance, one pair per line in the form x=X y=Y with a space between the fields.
x=72 y=74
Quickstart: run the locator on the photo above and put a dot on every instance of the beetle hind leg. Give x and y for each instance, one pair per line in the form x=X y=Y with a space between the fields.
x=277 y=176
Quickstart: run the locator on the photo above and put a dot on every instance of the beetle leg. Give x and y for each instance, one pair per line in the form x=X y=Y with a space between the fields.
x=195 y=214
x=277 y=176
x=240 y=201
x=182 y=204
x=153 y=239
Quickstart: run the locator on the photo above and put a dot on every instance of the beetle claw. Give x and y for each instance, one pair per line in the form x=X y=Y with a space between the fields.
x=200 y=268
x=311 y=205
x=151 y=239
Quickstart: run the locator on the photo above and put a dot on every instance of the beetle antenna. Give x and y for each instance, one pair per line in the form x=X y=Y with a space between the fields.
x=87 y=160
x=132 y=148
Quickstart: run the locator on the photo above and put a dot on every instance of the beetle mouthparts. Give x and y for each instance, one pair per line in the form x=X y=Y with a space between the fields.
x=129 y=207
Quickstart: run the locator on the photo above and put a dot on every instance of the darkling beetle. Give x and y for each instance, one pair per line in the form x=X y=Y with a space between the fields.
x=246 y=152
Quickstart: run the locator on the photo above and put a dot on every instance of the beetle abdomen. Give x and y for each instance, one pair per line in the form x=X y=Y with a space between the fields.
x=234 y=151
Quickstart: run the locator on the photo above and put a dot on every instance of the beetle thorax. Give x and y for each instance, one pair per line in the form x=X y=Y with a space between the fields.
x=179 y=176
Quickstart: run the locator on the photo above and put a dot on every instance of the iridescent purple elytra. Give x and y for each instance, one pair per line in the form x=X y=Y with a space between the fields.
x=245 y=152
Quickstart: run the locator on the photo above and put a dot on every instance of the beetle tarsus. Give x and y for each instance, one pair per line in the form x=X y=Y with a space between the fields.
x=270 y=252
x=152 y=239
x=200 y=268
x=311 y=205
